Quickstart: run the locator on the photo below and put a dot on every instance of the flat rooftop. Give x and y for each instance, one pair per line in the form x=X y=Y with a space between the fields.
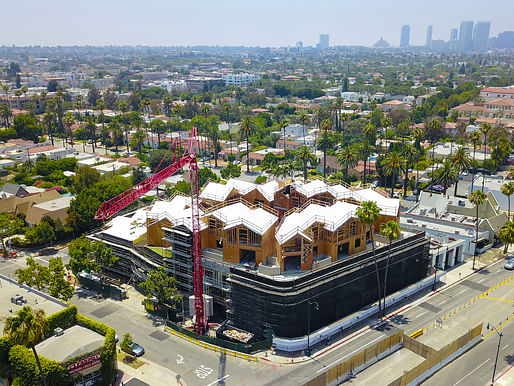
x=34 y=300
x=75 y=341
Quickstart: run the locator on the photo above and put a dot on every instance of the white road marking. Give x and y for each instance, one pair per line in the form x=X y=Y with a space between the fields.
x=483 y=363
x=481 y=280
x=444 y=301
x=180 y=359
x=423 y=313
x=458 y=293
x=217 y=380
x=347 y=355
x=505 y=347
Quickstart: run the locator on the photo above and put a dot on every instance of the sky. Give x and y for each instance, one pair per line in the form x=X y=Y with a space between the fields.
x=265 y=23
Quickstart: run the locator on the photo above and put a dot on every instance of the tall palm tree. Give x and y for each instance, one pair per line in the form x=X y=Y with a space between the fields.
x=386 y=122
x=477 y=198
x=370 y=131
x=68 y=122
x=392 y=231
x=462 y=161
x=6 y=114
x=5 y=89
x=508 y=190
x=368 y=214
x=431 y=128
x=484 y=129
x=394 y=164
x=506 y=234
x=283 y=124
x=325 y=141
x=418 y=135
x=246 y=128
x=137 y=139
x=48 y=121
x=101 y=105
x=91 y=131
x=26 y=329
x=79 y=103
x=302 y=117
x=347 y=158
x=411 y=155
x=364 y=150
x=447 y=174
x=168 y=104
x=124 y=108
x=177 y=109
x=474 y=137
x=214 y=135
x=116 y=132
x=59 y=109
x=304 y=157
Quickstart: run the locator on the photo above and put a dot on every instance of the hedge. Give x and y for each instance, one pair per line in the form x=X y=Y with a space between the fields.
x=5 y=347
x=108 y=356
x=24 y=365
x=63 y=319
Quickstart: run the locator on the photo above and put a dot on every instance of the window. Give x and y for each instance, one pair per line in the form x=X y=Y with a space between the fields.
x=357 y=243
x=353 y=227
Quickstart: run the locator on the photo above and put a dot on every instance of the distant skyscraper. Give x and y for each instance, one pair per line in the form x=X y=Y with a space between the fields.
x=466 y=35
x=405 y=36
x=481 y=35
x=323 y=41
x=454 y=35
x=429 y=37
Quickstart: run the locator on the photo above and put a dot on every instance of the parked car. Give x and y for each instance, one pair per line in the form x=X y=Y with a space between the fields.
x=135 y=349
x=438 y=188
x=509 y=265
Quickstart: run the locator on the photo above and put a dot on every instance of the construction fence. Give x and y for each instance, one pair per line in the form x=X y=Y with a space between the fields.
x=363 y=359
x=239 y=350
x=433 y=357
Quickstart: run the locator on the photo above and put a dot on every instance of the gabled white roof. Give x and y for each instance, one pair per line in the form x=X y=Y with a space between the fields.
x=257 y=220
x=312 y=188
x=177 y=212
x=219 y=192
x=128 y=227
x=332 y=217
x=388 y=206
x=269 y=189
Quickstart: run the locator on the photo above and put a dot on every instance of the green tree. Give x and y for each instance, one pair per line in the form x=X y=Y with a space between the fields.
x=6 y=114
x=27 y=328
x=26 y=127
x=41 y=235
x=101 y=106
x=68 y=121
x=84 y=178
x=447 y=174
x=477 y=198
x=34 y=275
x=368 y=214
x=411 y=155
x=126 y=342
x=347 y=158
x=304 y=156
x=508 y=189
x=394 y=164
x=230 y=171
x=461 y=161
x=324 y=142
x=214 y=135
x=506 y=234
x=392 y=231
x=58 y=286
x=485 y=128
x=162 y=286
x=302 y=117
x=9 y=225
x=246 y=128
x=90 y=255
x=137 y=140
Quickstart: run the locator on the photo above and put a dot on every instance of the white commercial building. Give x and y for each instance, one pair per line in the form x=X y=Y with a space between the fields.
x=239 y=79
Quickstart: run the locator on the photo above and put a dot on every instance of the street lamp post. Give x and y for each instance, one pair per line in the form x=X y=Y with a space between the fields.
x=308 y=351
x=500 y=335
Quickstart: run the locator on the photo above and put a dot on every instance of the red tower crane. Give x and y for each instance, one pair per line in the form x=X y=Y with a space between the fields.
x=122 y=200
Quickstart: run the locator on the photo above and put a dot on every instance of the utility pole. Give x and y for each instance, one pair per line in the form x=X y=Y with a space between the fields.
x=500 y=335
x=308 y=351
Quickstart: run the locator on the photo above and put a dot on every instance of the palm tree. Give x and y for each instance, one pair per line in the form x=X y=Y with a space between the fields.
x=18 y=93
x=137 y=139
x=506 y=234
x=116 y=132
x=447 y=174
x=5 y=89
x=394 y=164
x=386 y=122
x=368 y=214
x=508 y=190
x=79 y=103
x=6 y=114
x=58 y=103
x=347 y=158
x=477 y=198
x=410 y=153
x=177 y=109
x=484 y=129
x=302 y=117
x=246 y=127
x=282 y=125
x=304 y=156
x=68 y=122
x=431 y=128
x=101 y=105
x=48 y=121
x=324 y=142
x=91 y=131
x=370 y=131
x=418 y=135
x=214 y=135
x=474 y=137
x=26 y=329
x=168 y=103
x=124 y=108
x=461 y=161
x=343 y=118
x=392 y=231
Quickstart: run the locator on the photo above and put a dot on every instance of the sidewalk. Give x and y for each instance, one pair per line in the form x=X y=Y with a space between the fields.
x=451 y=277
x=150 y=373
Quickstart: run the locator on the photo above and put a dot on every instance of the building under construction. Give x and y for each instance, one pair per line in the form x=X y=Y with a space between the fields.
x=267 y=250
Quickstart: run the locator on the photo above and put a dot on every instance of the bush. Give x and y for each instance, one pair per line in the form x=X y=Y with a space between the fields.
x=63 y=319
x=5 y=347
x=261 y=179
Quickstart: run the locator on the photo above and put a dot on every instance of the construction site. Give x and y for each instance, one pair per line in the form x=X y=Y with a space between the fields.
x=264 y=252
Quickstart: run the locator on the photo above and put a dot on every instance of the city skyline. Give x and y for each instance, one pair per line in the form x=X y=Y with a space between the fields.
x=238 y=23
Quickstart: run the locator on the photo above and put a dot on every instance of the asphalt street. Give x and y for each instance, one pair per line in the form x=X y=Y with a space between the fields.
x=198 y=366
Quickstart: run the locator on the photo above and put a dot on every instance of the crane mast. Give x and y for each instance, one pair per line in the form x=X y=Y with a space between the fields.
x=122 y=200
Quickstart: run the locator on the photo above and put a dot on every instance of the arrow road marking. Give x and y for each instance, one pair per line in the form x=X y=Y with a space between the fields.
x=180 y=359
